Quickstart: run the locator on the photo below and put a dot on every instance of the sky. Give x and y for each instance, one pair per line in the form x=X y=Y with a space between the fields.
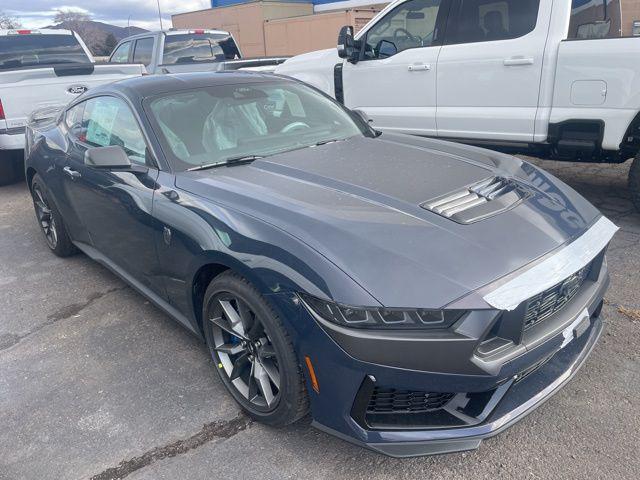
x=144 y=13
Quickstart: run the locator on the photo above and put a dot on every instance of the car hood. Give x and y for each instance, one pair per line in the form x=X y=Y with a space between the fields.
x=357 y=202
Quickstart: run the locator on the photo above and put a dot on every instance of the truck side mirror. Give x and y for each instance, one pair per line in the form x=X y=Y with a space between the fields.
x=348 y=47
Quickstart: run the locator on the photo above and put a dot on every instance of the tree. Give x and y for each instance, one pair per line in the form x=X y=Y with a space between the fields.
x=110 y=43
x=8 y=21
x=71 y=19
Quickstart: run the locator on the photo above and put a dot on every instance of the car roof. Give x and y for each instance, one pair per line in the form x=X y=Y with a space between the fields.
x=173 y=32
x=151 y=85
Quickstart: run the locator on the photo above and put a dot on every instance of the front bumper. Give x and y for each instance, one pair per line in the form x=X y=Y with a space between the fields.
x=509 y=380
x=519 y=399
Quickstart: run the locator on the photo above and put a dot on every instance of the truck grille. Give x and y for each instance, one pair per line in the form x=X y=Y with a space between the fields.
x=545 y=304
x=390 y=400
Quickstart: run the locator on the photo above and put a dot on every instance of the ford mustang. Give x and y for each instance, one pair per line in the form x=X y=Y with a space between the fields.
x=415 y=296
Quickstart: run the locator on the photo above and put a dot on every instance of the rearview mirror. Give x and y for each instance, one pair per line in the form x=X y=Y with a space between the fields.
x=107 y=157
x=348 y=47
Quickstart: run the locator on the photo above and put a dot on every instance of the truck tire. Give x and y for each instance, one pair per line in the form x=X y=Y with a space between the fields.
x=11 y=166
x=634 y=182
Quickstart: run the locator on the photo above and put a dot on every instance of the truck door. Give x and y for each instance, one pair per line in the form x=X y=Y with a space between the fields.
x=490 y=67
x=394 y=82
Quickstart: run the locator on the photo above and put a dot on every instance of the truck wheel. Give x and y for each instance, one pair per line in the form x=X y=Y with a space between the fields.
x=11 y=166
x=634 y=182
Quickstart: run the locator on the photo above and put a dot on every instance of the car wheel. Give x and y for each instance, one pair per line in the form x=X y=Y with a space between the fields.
x=252 y=351
x=634 y=182
x=50 y=220
x=11 y=167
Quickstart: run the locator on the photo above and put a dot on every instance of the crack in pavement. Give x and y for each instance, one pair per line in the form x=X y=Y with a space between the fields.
x=220 y=429
x=8 y=340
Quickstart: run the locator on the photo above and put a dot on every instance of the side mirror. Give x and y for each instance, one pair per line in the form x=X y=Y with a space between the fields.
x=348 y=47
x=107 y=157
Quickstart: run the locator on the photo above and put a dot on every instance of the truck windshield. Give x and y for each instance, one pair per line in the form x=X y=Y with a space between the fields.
x=195 y=47
x=28 y=50
x=220 y=124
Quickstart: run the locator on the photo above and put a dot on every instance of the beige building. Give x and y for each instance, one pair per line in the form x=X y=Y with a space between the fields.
x=276 y=28
x=264 y=27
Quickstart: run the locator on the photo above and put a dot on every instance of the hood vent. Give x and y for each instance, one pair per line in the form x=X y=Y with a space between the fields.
x=478 y=201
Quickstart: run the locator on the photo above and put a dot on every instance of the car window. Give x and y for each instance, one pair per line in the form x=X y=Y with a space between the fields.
x=490 y=20
x=109 y=121
x=594 y=19
x=214 y=124
x=198 y=47
x=409 y=25
x=73 y=120
x=143 y=51
x=121 y=54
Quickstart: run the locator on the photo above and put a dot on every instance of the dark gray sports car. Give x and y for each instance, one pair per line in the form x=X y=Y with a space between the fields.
x=415 y=296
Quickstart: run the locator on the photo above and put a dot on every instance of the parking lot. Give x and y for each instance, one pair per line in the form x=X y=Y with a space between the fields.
x=95 y=382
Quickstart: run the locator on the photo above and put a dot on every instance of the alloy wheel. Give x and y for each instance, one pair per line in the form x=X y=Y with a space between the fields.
x=245 y=351
x=45 y=217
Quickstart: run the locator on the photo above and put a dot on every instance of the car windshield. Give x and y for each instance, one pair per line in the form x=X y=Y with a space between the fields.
x=199 y=47
x=214 y=125
x=27 y=50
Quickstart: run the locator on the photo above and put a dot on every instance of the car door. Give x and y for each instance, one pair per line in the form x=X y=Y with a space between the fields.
x=394 y=82
x=490 y=67
x=115 y=207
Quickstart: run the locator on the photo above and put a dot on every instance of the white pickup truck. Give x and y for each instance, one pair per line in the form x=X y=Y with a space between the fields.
x=42 y=68
x=553 y=78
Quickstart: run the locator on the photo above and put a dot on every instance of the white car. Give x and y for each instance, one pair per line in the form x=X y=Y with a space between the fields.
x=552 y=78
x=43 y=68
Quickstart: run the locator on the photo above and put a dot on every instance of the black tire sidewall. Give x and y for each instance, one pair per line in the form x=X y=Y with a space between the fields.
x=288 y=409
x=64 y=247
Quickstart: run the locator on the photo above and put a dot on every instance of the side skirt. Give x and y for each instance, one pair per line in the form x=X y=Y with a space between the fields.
x=146 y=292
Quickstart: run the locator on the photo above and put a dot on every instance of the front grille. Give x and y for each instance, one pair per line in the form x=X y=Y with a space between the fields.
x=545 y=304
x=390 y=400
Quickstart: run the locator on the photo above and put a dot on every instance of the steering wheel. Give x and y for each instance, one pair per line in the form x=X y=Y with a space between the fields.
x=295 y=126
x=405 y=33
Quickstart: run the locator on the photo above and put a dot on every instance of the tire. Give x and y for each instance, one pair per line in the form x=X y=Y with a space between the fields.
x=245 y=353
x=50 y=221
x=634 y=182
x=11 y=167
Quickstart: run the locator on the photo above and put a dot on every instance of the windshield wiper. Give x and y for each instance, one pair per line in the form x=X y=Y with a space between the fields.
x=229 y=161
x=324 y=142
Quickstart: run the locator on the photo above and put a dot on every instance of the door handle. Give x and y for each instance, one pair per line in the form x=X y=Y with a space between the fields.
x=71 y=172
x=517 y=61
x=419 y=67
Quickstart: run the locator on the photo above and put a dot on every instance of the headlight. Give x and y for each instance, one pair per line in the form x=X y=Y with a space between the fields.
x=364 y=317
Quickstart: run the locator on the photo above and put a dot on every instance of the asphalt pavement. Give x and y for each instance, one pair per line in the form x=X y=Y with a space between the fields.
x=97 y=383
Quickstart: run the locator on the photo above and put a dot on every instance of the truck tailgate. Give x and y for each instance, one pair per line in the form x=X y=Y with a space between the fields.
x=25 y=90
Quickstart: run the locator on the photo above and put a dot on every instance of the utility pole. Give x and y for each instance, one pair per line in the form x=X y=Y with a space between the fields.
x=159 y=14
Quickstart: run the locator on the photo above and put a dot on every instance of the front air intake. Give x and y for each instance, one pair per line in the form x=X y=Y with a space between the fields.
x=478 y=201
